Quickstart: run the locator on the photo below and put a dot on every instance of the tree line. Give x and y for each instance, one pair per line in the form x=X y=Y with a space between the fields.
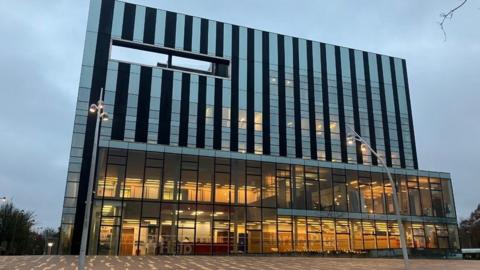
x=18 y=235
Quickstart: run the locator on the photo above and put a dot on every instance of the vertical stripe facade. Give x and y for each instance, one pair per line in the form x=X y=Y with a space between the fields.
x=283 y=96
x=94 y=77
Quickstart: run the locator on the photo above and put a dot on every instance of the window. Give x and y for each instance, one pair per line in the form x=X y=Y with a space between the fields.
x=192 y=64
x=141 y=57
x=148 y=55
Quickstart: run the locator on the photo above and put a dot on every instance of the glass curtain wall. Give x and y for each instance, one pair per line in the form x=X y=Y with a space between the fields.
x=149 y=203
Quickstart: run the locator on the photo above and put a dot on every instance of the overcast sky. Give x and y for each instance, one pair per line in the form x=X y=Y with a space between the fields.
x=42 y=45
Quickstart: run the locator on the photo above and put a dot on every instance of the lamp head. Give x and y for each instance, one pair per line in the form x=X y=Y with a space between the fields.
x=350 y=139
x=93 y=108
x=104 y=116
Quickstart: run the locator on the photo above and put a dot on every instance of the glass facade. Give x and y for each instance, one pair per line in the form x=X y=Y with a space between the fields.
x=151 y=203
x=235 y=142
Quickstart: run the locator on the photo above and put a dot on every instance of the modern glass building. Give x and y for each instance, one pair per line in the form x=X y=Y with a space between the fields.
x=229 y=140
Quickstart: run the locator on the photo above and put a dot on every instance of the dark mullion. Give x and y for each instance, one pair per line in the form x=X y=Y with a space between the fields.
x=341 y=108
x=311 y=102
x=326 y=106
x=371 y=122
x=356 y=111
x=410 y=115
x=386 y=131
x=397 y=113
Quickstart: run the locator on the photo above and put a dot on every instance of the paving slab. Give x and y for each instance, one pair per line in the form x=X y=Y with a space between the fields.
x=228 y=262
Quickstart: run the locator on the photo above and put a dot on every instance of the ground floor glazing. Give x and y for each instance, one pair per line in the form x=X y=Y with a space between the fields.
x=150 y=203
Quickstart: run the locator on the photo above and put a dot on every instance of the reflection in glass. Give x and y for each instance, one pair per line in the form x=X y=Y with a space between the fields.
x=326 y=192
x=285 y=234
x=300 y=234
x=369 y=235
x=343 y=235
x=269 y=228
x=425 y=195
x=202 y=220
x=314 y=234
x=328 y=234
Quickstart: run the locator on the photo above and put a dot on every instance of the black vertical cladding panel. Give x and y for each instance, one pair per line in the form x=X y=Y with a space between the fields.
x=311 y=101
x=356 y=111
x=120 y=106
x=121 y=94
x=326 y=106
x=266 y=93
x=167 y=84
x=341 y=107
x=128 y=21
x=386 y=133
x=143 y=107
x=185 y=98
x=184 y=110
x=250 y=91
x=202 y=88
x=217 y=114
x=187 y=36
x=149 y=29
x=234 y=96
x=296 y=100
x=371 y=121
x=397 y=113
x=165 y=108
x=410 y=115
x=282 y=125
x=98 y=81
x=170 y=29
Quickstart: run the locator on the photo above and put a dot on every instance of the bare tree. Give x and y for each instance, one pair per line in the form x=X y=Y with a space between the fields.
x=449 y=15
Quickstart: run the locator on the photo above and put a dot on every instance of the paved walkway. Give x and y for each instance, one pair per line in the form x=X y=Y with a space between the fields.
x=246 y=262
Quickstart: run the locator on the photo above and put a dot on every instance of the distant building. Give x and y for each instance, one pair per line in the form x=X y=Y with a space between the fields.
x=229 y=140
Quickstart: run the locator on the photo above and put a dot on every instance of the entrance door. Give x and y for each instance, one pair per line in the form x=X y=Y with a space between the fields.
x=254 y=241
x=127 y=242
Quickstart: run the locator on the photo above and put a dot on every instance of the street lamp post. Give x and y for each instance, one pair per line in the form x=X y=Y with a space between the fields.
x=98 y=109
x=356 y=137
x=50 y=245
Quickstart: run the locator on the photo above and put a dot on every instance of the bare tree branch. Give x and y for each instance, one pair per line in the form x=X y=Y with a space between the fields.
x=449 y=16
